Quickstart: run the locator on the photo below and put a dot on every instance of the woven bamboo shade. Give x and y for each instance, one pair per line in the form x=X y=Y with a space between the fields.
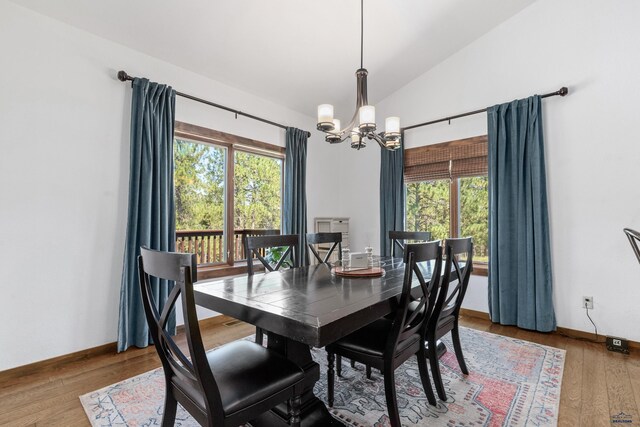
x=453 y=159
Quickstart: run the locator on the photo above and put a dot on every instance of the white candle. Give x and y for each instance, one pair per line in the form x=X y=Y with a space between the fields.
x=367 y=114
x=336 y=125
x=392 y=125
x=325 y=113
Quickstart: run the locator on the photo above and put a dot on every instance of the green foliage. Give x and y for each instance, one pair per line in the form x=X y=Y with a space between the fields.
x=274 y=254
x=474 y=214
x=199 y=178
x=257 y=193
x=199 y=186
x=427 y=209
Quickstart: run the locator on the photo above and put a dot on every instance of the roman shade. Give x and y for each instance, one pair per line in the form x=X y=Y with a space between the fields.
x=453 y=159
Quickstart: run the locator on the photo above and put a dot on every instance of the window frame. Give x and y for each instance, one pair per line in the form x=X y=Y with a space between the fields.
x=450 y=147
x=231 y=143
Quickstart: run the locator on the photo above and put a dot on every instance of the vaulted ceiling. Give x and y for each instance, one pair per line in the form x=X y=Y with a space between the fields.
x=298 y=53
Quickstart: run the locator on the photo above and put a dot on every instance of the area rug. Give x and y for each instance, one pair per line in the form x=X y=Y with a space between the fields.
x=510 y=383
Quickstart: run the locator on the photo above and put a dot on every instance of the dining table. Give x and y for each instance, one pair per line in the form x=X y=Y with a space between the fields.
x=306 y=307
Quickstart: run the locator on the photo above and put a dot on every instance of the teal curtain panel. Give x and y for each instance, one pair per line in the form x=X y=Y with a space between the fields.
x=520 y=279
x=295 y=190
x=151 y=217
x=391 y=195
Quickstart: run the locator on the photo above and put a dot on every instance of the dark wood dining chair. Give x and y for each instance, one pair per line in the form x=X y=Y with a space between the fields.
x=399 y=238
x=450 y=294
x=228 y=386
x=254 y=245
x=634 y=238
x=387 y=343
x=320 y=238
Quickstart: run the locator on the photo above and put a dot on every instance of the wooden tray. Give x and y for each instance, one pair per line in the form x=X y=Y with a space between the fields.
x=364 y=272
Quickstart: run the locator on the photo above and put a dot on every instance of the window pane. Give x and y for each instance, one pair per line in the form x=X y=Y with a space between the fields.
x=258 y=196
x=428 y=208
x=474 y=214
x=199 y=179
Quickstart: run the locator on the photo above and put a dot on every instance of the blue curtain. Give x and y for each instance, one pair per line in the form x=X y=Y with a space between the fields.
x=151 y=218
x=520 y=282
x=391 y=195
x=295 y=190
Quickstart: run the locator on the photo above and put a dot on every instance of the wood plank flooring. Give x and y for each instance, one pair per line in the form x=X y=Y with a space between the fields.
x=597 y=384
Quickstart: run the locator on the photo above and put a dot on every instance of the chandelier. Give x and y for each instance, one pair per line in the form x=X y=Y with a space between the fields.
x=365 y=114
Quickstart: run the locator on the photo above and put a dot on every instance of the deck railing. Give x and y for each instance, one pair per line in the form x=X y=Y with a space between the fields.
x=208 y=245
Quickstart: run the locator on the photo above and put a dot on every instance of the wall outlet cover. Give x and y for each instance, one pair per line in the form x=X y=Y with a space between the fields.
x=620 y=345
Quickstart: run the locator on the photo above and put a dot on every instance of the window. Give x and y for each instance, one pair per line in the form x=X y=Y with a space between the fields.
x=226 y=187
x=447 y=193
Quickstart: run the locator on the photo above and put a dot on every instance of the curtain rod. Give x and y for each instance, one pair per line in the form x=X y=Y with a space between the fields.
x=123 y=77
x=562 y=92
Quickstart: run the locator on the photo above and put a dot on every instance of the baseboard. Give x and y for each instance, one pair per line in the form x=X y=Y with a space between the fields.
x=475 y=314
x=109 y=348
x=43 y=365
x=571 y=333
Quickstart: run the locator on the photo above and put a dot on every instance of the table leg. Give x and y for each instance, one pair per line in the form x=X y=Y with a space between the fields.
x=313 y=412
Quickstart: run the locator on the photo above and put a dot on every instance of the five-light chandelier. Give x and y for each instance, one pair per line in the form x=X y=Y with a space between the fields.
x=365 y=114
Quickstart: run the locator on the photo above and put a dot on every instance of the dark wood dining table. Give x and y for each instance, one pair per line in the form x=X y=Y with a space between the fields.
x=302 y=308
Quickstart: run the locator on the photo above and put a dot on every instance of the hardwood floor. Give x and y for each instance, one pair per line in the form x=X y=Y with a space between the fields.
x=597 y=384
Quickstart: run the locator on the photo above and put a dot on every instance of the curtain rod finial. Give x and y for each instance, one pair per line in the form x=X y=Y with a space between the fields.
x=563 y=91
x=123 y=76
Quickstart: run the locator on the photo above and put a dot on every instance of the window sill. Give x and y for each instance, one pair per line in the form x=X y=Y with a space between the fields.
x=225 y=270
x=480 y=269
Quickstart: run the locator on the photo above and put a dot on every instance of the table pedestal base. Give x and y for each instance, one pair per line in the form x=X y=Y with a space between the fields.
x=313 y=412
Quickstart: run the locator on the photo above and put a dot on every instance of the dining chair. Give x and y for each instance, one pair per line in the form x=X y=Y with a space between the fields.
x=228 y=386
x=387 y=343
x=398 y=238
x=320 y=238
x=254 y=245
x=634 y=238
x=450 y=294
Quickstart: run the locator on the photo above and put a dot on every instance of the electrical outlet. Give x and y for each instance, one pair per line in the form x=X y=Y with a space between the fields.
x=587 y=302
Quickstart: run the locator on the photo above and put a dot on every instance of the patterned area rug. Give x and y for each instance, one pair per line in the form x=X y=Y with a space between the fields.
x=510 y=383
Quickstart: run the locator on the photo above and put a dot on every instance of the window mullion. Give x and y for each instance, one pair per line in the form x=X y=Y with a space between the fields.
x=229 y=223
x=454 y=212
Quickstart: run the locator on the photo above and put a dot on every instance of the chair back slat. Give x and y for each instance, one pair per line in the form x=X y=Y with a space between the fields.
x=399 y=238
x=455 y=279
x=409 y=322
x=319 y=238
x=181 y=268
x=253 y=244
x=634 y=238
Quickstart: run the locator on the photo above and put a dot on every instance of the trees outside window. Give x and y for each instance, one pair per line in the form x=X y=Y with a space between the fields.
x=226 y=188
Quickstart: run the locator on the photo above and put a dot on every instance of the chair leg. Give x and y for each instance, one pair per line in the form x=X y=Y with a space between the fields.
x=424 y=376
x=455 y=337
x=390 y=394
x=435 y=369
x=330 y=378
x=368 y=372
x=294 y=411
x=170 y=406
x=259 y=335
x=339 y=365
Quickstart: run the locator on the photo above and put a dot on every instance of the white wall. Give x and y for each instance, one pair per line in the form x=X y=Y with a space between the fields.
x=591 y=141
x=64 y=173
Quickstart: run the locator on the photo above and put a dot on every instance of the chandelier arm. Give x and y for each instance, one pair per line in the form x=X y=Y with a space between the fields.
x=378 y=139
